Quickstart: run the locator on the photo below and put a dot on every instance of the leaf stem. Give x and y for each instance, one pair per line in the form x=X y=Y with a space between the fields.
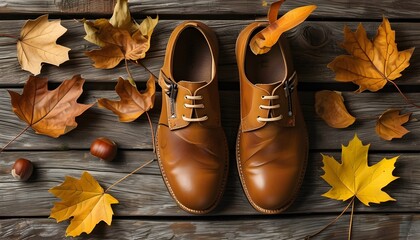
x=351 y=219
x=332 y=222
x=153 y=132
x=130 y=77
x=24 y=130
x=9 y=36
x=126 y=176
x=407 y=100
x=141 y=64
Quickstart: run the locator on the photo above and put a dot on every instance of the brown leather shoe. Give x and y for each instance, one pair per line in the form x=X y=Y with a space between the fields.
x=272 y=143
x=191 y=145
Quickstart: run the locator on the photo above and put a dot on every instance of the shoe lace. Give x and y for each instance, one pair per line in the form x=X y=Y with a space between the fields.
x=194 y=106
x=269 y=107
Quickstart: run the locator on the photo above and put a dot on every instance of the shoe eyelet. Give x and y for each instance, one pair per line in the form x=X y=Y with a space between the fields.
x=260 y=107
x=262 y=97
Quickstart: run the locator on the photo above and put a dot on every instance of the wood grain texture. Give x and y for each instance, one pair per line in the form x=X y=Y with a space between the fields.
x=314 y=45
x=136 y=135
x=366 y=226
x=145 y=194
x=358 y=9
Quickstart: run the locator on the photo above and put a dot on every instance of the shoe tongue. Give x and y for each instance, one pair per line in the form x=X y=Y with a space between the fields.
x=268 y=87
x=192 y=86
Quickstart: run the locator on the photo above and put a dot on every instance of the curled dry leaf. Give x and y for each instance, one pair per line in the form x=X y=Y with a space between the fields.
x=52 y=113
x=37 y=44
x=389 y=124
x=263 y=41
x=371 y=64
x=133 y=103
x=119 y=38
x=329 y=105
x=354 y=177
x=84 y=202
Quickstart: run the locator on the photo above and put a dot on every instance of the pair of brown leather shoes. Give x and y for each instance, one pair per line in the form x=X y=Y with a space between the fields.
x=272 y=146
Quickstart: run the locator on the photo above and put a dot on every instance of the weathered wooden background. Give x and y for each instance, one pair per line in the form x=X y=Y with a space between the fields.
x=146 y=211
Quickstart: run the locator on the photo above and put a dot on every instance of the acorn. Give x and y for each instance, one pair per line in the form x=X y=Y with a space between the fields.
x=104 y=148
x=22 y=169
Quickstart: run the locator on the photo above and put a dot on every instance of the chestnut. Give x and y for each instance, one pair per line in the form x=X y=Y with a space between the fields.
x=104 y=148
x=22 y=169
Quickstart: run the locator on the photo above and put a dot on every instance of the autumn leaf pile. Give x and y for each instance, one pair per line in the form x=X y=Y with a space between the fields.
x=370 y=64
x=53 y=112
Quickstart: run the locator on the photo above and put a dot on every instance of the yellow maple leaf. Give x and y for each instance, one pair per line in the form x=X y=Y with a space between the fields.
x=37 y=44
x=371 y=64
x=84 y=201
x=353 y=177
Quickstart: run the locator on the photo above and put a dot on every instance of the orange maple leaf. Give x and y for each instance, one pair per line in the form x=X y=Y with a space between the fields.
x=389 y=124
x=50 y=113
x=133 y=103
x=371 y=64
x=263 y=41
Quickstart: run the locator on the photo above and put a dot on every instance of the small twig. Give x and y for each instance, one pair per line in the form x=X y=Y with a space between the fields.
x=24 y=130
x=141 y=64
x=407 y=100
x=9 y=36
x=130 y=77
x=351 y=219
x=126 y=176
x=153 y=132
x=332 y=222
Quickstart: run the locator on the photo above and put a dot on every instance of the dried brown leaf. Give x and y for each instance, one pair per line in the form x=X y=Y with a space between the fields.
x=50 y=113
x=133 y=103
x=329 y=105
x=389 y=124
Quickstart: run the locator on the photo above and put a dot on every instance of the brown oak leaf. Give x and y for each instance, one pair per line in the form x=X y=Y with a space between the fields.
x=389 y=124
x=50 y=113
x=329 y=105
x=371 y=64
x=133 y=103
x=119 y=38
x=37 y=44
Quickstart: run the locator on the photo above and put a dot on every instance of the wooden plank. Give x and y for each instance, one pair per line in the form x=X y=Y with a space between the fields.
x=366 y=226
x=136 y=135
x=145 y=194
x=314 y=44
x=358 y=9
x=61 y=6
